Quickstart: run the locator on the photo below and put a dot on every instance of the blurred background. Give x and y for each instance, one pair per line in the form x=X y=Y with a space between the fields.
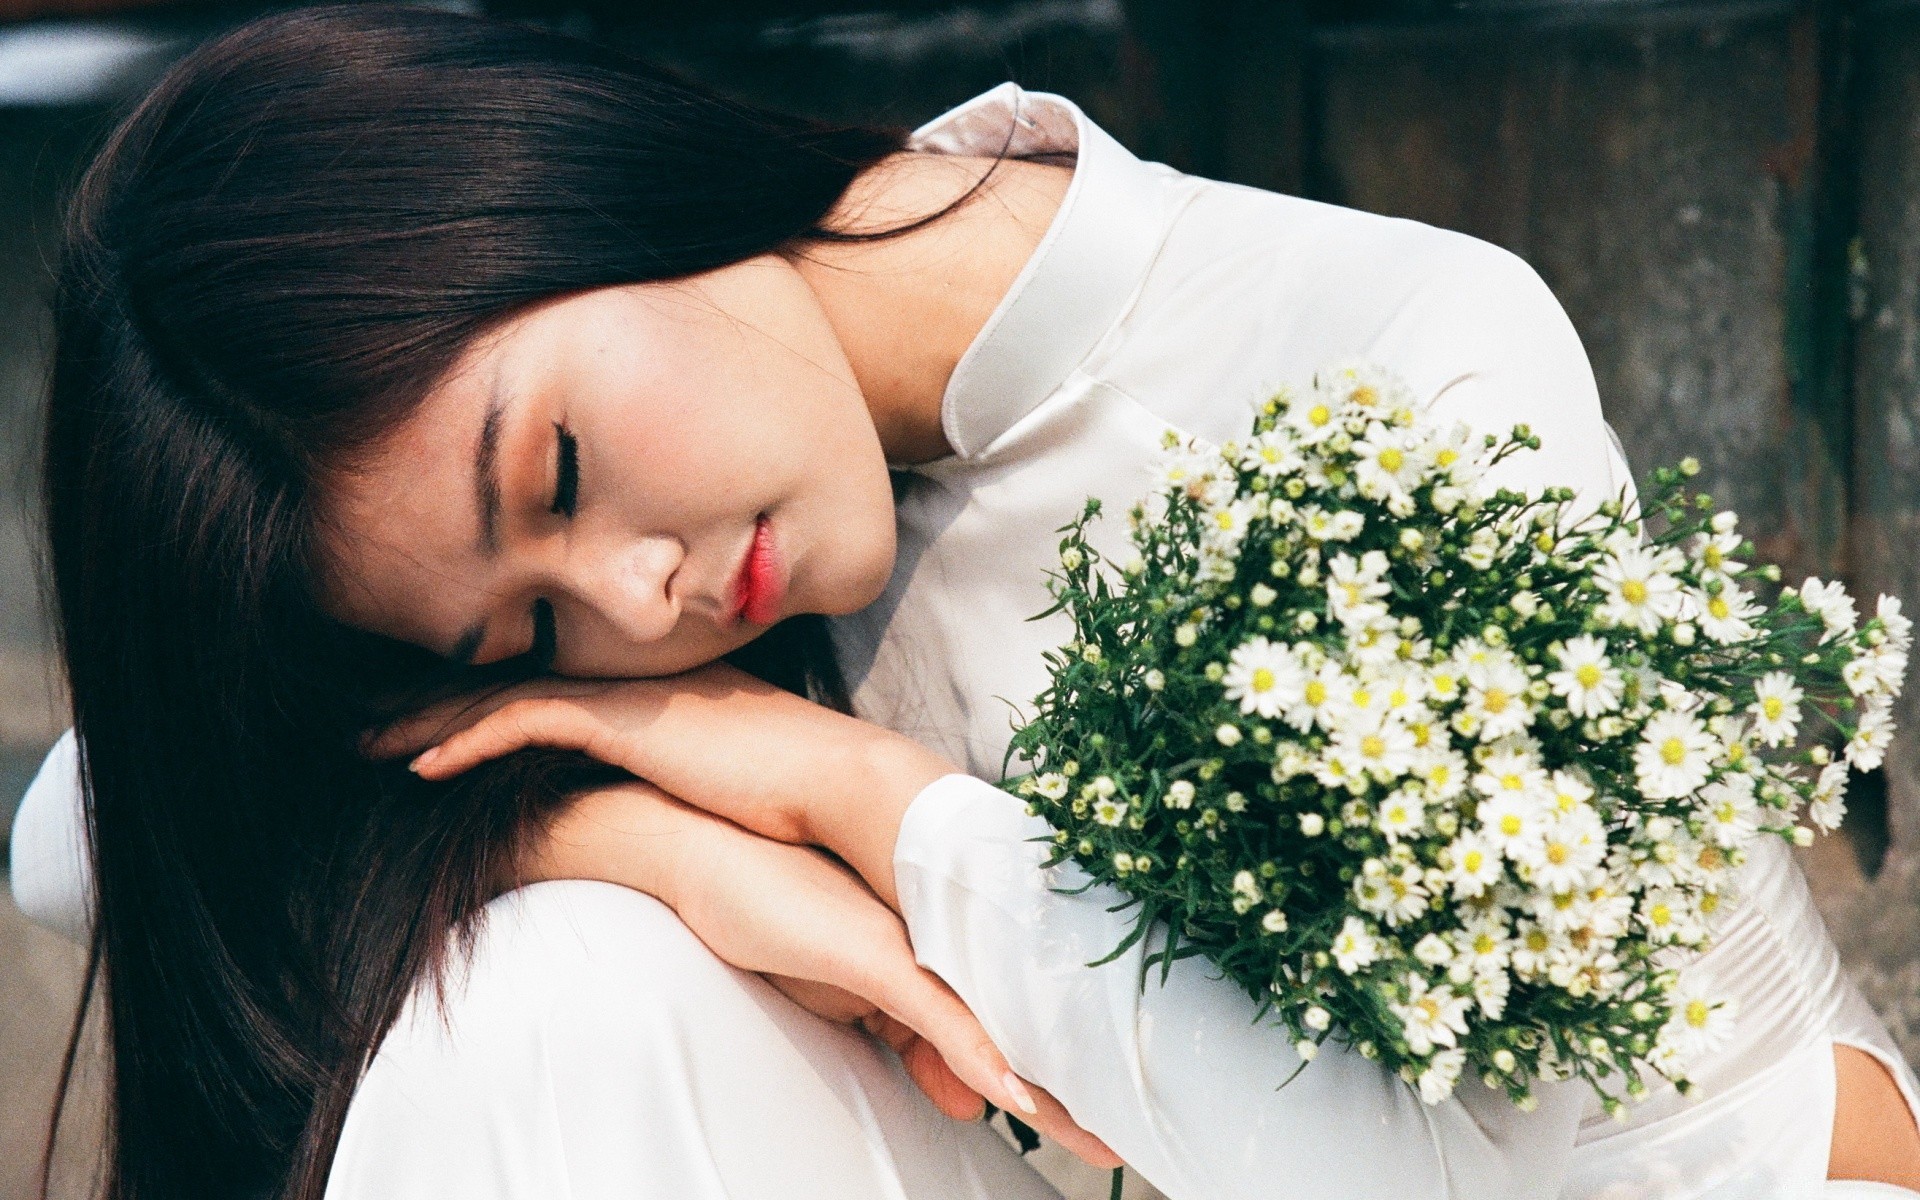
x=1725 y=194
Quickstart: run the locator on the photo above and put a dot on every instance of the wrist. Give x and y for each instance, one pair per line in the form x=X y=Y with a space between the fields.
x=630 y=834
x=860 y=820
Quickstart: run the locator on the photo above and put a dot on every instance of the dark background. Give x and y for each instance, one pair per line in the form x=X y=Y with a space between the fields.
x=1725 y=195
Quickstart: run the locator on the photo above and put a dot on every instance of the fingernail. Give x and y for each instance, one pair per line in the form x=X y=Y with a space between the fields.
x=421 y=760
x=1021 y=1096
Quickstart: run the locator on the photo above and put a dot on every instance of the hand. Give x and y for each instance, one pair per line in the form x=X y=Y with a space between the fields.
x=806 y=922
x=717 y=738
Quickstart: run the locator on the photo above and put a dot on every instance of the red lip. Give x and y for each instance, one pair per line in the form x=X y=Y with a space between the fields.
x=760 y=584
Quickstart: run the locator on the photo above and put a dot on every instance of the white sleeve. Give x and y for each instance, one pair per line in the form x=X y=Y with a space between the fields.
x=1177 y=1077
x=1517 y=360
x=49 y=873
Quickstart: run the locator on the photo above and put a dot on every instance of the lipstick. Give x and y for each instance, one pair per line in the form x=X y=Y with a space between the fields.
x=761 y=584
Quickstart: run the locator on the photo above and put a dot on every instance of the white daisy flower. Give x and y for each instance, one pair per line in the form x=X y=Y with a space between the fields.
x=1587 y=679
x=1674 y=757
x=1452 y=451
x=1668 y=917
x=1514 y=821
x=1323 y=699
x=1510 y=772
x=1433 y=950
x=1876 y=671
x=1727 y=616
x=1473 y=864
x=1402 y=814
x=1497 y=698
x=1868 y=746
x=1714 y=552
x=1395 y=896
x=1437 y=1082
x=1264 y=677
x=1272 y=454
x=1444 y=771
x=1179 y=794
x=1430 y=1016
x=1316 y=416
x=1571 y=848
x=1728 y=811
x=1386 y=466
x=1535 y=949
x=1051 y=785
x=1898 y=626
x=1490 y=991
x=1640 y=588
x=1355 y=589
x=1829 y=804
x=1776 y=708
x=1569 y=792
x=1829 y=602
x=1354 y=947
x=1110 y=811
x=1481 y=942
x=1699 y=1025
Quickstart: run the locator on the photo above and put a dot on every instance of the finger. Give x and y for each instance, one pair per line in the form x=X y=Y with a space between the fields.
x=410 y=734
x=562 y=724
x=931 y=1074
x=923 y=1002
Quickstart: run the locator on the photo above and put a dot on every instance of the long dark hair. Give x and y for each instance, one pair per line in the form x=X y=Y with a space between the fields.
x=271 y=259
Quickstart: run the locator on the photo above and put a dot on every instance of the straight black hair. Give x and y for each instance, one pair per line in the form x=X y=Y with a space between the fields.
x=271 y=259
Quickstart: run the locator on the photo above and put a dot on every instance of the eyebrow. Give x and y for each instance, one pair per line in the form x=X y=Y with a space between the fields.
x=486 y=478
x=486 y=491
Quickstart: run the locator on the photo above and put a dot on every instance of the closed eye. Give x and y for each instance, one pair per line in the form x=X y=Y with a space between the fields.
x=566 y=471
x=545 y=637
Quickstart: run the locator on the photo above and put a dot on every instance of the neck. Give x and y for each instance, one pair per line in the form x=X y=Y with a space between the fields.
x=906 y=308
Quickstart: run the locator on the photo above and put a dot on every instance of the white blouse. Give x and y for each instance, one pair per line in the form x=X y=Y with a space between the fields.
x=1160 y=300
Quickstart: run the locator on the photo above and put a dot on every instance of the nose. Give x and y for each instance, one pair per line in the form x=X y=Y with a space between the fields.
x=627 y=586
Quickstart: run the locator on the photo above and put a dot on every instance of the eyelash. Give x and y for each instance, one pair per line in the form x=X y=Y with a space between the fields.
x=566 y=481
x=544 y=637
x=566 y=496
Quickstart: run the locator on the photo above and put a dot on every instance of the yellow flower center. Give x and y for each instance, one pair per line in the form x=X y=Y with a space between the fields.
x=1588 y=675
x=1373 y=745
x=1709 y=903
x=1511 y=824
x=1484 y=944
x=1712 y=556
x=1224 y=518
x=1495 y=700
x=1564 y=801
x=1773 y=706
x=1697 y=1013
x=1660 y=915
x=1262 y=679
x=1673 y=752
x=1536 y=940
x=1429 y=1007
x=1447 y=457
x=1270 y=454
x=1557 y=853
x=1391 y=459
x=1635 y=591
x=1422 y=734
x=1718 y=607
x=1471 y=861
x=1443 y=685
x=1362 y=698
x=1512 y=781
x=1316 y=692
x=1319 y=414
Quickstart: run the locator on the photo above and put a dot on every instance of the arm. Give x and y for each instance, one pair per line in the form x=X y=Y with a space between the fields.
x=1177 y=1078
x=49 y=874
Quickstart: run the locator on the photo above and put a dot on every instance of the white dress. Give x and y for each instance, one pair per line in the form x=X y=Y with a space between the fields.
x=595 y=1049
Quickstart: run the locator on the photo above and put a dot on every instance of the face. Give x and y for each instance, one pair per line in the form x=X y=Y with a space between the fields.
x=647 y=476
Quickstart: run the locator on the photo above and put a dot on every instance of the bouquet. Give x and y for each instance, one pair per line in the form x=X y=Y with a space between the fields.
x=1457 y=776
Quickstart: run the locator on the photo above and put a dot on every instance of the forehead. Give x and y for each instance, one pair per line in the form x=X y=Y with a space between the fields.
x=398 y=524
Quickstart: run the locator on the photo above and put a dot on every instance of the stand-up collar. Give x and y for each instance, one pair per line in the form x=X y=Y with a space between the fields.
x=1080 y=277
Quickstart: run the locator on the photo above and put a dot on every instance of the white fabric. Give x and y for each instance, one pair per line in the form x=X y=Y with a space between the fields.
x=595 y=1050
x=1157 y=300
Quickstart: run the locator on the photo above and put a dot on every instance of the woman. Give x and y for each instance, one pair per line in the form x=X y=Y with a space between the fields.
x=491 y=449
